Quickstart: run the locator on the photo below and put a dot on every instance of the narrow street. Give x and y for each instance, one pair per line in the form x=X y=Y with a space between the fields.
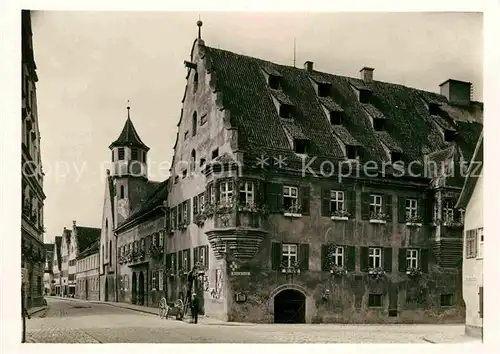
x=76 y=321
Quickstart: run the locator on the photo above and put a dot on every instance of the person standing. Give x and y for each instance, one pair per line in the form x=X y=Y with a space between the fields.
x=195 y=307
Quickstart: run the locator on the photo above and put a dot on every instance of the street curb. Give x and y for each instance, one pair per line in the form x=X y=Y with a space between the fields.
x=37 y=310
x=428 y=340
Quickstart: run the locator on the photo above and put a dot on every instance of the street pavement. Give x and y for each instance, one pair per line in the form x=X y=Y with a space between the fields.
x=77 y=321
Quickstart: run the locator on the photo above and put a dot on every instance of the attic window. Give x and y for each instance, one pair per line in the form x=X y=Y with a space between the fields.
x=378 y=124
x=396 y=157
x=195 y=82
x=335 y=118
x=274 y=82
x=300 y=146
x=352 y=152
x=434 y=108
x=215 y=153
x=364 y=96
x=449 y=135
x=285 y=111
x=324 y=90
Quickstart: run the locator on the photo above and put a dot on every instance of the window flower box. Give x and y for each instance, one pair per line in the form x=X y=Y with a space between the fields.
x=292 y=268
x=414 y=272
x=225 y=207
x=414 y=221
x=336 y=270
x=248 y=207
x=377 y=273
x=453 y=223
x=340 y=215
x=378 y=218
x=199 y=219
x=208 y=210
x=155 y=251
x=295 y=211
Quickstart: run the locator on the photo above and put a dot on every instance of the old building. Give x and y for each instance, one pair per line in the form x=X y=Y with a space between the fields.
x=311 y=197
x=87 y=273
x=75 y=241
x=471 y=199
x=48 y=275
x=56 y=265
x=126 y=187
x=32 y=229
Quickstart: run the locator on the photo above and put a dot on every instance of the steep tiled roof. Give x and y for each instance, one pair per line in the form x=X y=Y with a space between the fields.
x=129 y=137
x=409 y=127
x=86 y=236
x=93 y=248
x=475 y=169
x=154 y=199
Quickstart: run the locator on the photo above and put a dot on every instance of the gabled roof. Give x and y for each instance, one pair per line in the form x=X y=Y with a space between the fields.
x=475 y=169
x=129 y=136
x=86 y=236
x=93 y=248
x=409 y=127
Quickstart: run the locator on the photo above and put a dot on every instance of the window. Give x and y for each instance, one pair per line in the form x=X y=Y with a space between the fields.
x=471 y=243
x=336 y=201
x=480 y=240
x=185 y=211
x=202 y=162
x=434 y=108
x=411 y=258
x=185 y=259
x=289 y=254
x=226 y=191
x=203 y=119
x=160 y=239
x=201 y=255
x=300 y=146
x=374 y=257
x=195 y=82
x=195 y=123
x=374 y=300
x=337 y=256
x=411 y=208
x=335 y=118
x=396 y=156
x=186 y=134
x=449 y=135
x=121 y=153
x=290 y=197
x=375 y=204
x=142 y=244
x=193 y=160
x=285 y=111
x=378 y=124
x=211 y=194
x=446 y=299
x=448 y=210
x=352 y=152
x=134 y=154
x=154 y=284
x=246 y=193
x=364 y=96
x=201 y=202
x=274 y=82
x=122 y=192
x=324 y=90
x=215 y=153
x=144 y=156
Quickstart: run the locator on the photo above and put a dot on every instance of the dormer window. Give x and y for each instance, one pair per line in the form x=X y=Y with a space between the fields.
x=434 y=108
x=300 y=146
x=351 y=152
x=396 y=157
x=379 y=124
x=286 y=111
x=365 y=96
x=335 y=118
x=274 y=82
x=324 y=90
x=449 y=135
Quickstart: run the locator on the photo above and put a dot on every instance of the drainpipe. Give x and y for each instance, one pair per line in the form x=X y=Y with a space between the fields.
x=165 y=208
x=116 y=267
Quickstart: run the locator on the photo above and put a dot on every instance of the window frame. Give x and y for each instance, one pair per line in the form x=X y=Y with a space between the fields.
x=411 y=210
x=377 y=304
x=335 y=255
x=412 y=257
x=376 y=202
x=247 y=189
x=226 y=190
x=288 y=254
x=334 y=200
x=373 y=256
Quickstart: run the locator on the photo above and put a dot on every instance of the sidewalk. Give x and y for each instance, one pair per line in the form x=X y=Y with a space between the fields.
x=34 y=310
x=150 y=310
x=451 y=338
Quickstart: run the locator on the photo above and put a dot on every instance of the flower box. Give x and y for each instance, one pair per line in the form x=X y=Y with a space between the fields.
x=292 y=268
x=378 y=218
x=293 y=215
x=376 y=272
x=416 y=224
x=414 y=272
x=377 y=221
x=339 y=218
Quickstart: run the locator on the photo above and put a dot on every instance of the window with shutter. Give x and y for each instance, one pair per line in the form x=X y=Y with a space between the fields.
x=402 y=260
x=179 y=260
x=350 y=258
x=374 y=257
x=305 y=199
x=274 y=197
x=412 y=258
x=291 y=199
x=387 y=258
x=363 y=259
x=275 y=255
x=304 y=256
x=424 y=260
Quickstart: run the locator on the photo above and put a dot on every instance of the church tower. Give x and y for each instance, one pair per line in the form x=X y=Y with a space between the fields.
x=129 y=168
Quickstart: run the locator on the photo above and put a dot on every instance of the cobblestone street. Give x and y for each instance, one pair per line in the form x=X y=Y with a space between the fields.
x=76 y=321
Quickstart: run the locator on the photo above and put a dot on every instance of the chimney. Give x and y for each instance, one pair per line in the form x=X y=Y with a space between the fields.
x=367 y=74
x=108 y=172
x=308 y=66
x=456 y=91
x=74 y=223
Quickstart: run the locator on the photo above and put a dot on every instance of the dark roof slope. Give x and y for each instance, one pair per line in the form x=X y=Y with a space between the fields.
x=49 y=247
x=409 y=127
x=129 y=137
x=93 y=248
x=58 y=250
x=158 y=194
x=86 y=236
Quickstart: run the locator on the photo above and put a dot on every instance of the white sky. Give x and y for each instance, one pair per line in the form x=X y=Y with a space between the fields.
x=90 y=64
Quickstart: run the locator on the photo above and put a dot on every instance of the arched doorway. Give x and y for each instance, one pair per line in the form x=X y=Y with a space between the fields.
x=290 y=307
x=134 y=288
x=106 y=289
x=141 y=289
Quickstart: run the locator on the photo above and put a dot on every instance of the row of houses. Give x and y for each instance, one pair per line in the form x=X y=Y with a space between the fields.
x=301 y=196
